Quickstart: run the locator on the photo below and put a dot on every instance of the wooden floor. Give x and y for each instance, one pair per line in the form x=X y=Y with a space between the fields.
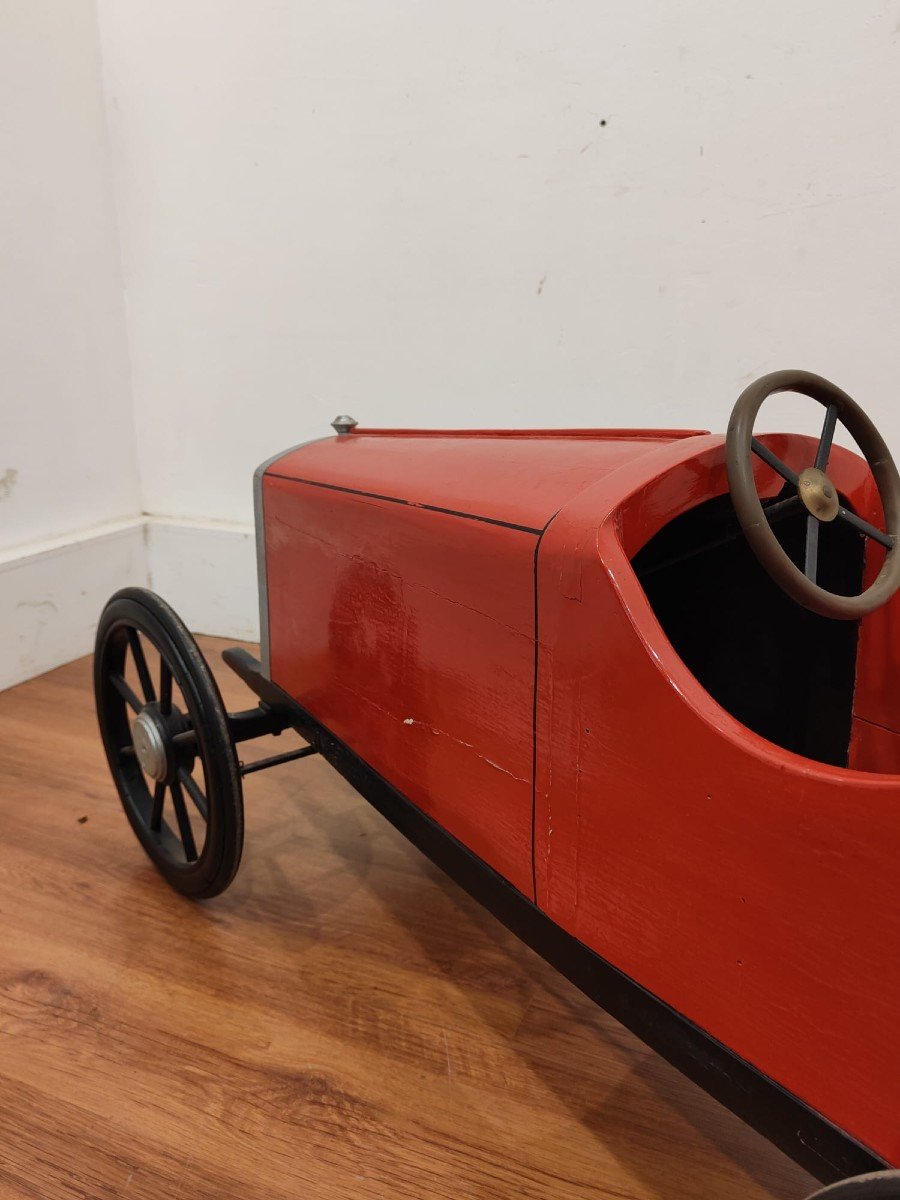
x=343 y=1022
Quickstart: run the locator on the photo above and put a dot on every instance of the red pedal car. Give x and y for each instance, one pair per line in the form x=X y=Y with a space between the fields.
x=635 y=690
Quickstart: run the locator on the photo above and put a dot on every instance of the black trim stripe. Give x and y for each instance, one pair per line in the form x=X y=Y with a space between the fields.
x=449 y=512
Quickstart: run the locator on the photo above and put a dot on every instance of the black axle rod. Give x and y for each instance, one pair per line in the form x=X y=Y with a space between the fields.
x=245 y=726
x=254 y=723
x=276 y=760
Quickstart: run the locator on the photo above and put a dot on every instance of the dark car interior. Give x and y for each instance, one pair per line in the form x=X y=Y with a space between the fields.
x=781 y=670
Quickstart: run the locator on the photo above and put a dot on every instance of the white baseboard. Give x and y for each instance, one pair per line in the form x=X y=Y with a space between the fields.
x=52 y=593
x=207 y=572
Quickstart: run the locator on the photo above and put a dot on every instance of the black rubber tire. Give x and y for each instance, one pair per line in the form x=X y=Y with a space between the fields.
x=877 y=1185
x=138 y=609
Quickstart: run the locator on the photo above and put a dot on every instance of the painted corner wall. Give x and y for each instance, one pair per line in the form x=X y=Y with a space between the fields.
x=69 y=488
x=67 y=449
x=488 y=213
x=73 y=520
x=223 y=223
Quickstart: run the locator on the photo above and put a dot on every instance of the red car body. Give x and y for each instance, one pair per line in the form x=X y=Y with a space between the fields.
x=465 y=612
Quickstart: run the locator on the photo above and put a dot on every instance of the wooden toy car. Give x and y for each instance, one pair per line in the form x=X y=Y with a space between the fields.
x=634 y=689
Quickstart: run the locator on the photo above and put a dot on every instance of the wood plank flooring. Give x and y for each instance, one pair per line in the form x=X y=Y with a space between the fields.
x=343 y=1023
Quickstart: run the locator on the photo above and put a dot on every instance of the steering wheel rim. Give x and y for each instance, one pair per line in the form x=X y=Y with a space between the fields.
x=815 y=491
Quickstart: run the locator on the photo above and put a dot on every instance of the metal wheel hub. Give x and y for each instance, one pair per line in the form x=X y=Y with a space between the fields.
x=152 y=743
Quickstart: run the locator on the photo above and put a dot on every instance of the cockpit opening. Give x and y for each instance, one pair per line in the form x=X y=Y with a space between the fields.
x=781 y=670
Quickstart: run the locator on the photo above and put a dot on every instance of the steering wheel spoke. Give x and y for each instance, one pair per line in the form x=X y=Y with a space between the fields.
x=825 y=441
x=773 y=461
x=877 y=535
x=780 y=509
x=811 y=554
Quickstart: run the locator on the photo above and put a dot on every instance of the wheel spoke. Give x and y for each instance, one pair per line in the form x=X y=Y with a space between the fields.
x=811 y=562
x=159 y=796
x=122 y=687
x=165 y=687
x=195 y=792
x=864 y=527
x=141 y=663
x=184 y=823
x=773 y=461
x=824 y=451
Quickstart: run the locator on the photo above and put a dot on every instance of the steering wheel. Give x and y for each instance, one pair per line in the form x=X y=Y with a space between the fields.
x=815 y=493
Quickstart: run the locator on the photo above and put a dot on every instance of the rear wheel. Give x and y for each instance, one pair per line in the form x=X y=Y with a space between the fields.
x=167 y=741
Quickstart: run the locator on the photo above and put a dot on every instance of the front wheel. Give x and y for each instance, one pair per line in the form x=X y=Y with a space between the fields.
x=168 y=744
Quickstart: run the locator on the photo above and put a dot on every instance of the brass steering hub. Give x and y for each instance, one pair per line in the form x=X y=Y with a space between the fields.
x=818 y=494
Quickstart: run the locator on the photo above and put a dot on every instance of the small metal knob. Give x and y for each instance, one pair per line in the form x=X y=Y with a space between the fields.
x=344 y=424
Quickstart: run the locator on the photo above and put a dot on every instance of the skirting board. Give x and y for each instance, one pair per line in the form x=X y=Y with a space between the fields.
x=52 y=593
x=207 y=571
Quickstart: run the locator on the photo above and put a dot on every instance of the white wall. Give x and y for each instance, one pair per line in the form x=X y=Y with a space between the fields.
x=413 y=212
x=68 y=468
x=505 y=212
x=67 y=453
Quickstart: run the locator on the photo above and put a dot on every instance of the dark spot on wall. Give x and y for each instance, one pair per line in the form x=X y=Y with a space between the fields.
x=8 y=482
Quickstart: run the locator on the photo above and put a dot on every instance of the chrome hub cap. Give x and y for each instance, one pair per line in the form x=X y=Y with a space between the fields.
x=150 y=746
